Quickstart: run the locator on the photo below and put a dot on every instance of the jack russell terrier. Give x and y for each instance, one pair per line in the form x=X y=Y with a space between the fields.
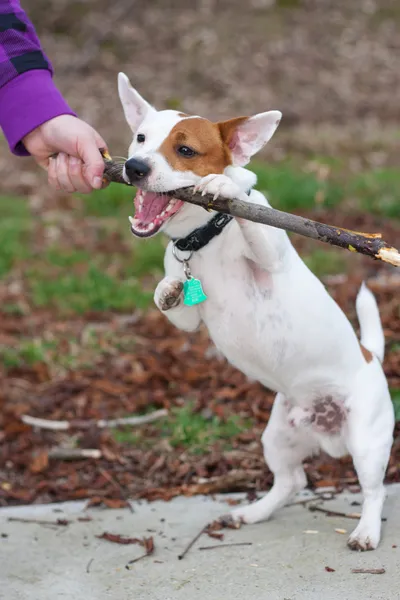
x=264 y=309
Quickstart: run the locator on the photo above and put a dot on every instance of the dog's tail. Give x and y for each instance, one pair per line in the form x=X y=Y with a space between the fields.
x=372 y=337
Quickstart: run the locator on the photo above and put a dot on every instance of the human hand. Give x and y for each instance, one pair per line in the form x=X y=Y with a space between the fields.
x=79 y=165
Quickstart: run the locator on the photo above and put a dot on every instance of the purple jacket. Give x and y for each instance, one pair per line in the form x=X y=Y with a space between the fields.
x=28 y=96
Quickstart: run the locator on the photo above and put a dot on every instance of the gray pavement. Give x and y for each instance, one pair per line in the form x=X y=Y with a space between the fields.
x=286 y=560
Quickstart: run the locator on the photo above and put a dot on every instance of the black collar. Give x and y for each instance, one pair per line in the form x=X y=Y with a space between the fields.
x=201 y=236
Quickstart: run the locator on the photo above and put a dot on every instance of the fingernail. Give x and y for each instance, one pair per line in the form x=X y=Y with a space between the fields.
x=97 y=182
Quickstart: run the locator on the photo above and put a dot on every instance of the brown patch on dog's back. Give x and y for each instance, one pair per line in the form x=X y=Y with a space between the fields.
x=210 y=140
x=366 y=354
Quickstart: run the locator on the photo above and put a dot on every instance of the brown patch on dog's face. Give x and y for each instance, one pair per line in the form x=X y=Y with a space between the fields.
x=366 y=354
x=209 y=141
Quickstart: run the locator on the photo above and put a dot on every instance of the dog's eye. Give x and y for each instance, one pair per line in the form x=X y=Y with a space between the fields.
x=140 y=138
x=186 y=151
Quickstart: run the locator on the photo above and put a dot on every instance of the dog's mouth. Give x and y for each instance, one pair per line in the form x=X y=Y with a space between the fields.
x=152 y=210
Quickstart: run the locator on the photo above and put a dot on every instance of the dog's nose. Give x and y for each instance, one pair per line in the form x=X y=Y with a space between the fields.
x=136 y=169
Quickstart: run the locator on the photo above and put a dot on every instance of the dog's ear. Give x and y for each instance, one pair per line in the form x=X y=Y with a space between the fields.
x=135 y=107
x=245 y=136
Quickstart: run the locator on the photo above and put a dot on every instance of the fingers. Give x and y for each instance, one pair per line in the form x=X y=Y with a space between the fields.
x=62 y=168
x=94 y=164
x=67 y=173
x=77 y=177
x=52 y=173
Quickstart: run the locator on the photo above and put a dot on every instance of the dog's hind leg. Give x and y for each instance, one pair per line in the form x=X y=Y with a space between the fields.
x=369 y=440
x=285 y=448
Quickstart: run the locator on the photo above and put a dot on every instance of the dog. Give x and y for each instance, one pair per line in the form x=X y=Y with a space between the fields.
x=264 y=309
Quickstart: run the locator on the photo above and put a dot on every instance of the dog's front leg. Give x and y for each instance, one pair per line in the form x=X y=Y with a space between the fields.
x=168 y=297
x=266 y=246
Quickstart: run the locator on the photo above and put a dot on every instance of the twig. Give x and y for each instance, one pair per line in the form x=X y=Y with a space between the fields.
x=89 y=565
x=334 y=513
x=370 y=244
x=58 y=523
x=148 y=543
x=194 y=540
x=101 y=424
x=226 y=545
x=60 y=453
x=131 y=562
x=302 y=502
x=117 y=485
x=370 y=571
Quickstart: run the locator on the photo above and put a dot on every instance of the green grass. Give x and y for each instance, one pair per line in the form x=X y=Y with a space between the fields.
x=28 y=353
x=395 y=393
x=15 y=227
x=325 y=262
x=290 y=188
x=378 y=192
x=116 y=200
x=93 y=290
x=187 y=429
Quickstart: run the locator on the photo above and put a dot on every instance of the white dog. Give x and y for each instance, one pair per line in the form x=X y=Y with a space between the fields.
x=264 y=309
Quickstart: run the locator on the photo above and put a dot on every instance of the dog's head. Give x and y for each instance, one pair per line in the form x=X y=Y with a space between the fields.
x=171 y=150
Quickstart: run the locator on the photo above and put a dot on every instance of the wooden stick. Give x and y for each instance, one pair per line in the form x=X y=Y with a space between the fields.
x=60 y=453
x=101 y=424
x=334 y=513
x=226 y=545
x=190 y=544
x=370 y=571
x=370 y=244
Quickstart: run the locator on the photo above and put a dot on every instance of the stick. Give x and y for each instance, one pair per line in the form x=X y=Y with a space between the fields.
x=370 y=244
x=89 y=565
x=102 y=424
x=334 y=513
x=73 y=453
x=194 y=540
x=226 y=545
x=58 y=523
x=371 y=571
x=117 y=485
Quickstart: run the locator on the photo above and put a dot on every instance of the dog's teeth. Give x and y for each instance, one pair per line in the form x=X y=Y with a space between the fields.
x=131 y=220
x=150 y=226
x=163 y=213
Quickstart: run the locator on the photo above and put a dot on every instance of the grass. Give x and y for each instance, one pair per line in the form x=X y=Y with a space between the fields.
x=74 y=279
x=395 y=393
x=325 y=262
x=15 y=227
x=94 y=290
x=188 y=429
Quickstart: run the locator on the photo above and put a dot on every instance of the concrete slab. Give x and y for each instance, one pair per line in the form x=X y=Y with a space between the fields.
x=285 y=561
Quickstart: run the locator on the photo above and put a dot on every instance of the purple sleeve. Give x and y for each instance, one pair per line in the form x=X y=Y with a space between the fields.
x=28 y=96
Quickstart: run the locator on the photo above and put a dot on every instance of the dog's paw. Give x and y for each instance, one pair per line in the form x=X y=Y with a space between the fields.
x=168 y=293
x=220 y=185
x=363 y=539
x=246 y=515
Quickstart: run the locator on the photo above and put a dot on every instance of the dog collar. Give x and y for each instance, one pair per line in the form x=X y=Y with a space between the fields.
x=201 y=236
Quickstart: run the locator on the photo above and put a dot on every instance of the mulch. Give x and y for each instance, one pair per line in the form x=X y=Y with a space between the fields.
x=165 y=369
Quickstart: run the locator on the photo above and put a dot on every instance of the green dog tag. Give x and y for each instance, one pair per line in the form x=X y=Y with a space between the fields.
x=193 y=292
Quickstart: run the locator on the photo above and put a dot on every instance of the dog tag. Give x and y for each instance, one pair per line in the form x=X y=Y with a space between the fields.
x=193 y=292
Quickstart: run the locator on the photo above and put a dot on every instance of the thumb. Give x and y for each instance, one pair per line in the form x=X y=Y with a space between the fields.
x=94 y=164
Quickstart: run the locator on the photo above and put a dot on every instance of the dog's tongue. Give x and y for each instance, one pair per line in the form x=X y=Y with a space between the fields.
x=153 y=204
